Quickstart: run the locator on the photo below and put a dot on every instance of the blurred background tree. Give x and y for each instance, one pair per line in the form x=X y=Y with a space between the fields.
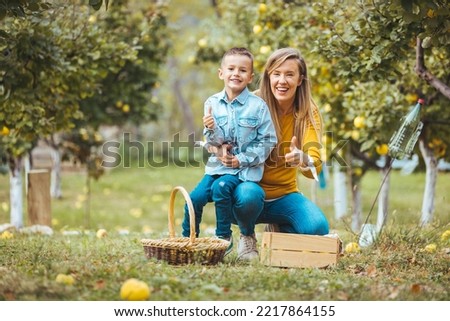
x=147 y=66
x=62 y=70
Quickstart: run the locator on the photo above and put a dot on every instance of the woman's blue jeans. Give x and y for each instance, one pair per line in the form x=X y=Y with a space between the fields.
x=294 y=213
x=218 y=189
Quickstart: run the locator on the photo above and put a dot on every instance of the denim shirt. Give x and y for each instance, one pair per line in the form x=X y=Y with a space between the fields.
x=246 y=124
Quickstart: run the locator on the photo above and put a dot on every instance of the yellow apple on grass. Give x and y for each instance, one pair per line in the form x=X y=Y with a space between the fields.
x=134 y=290
x=66 y=279
x=445 y=236
x=430 y=248
x=6 y=235
x=352 y=247
x=101 y=233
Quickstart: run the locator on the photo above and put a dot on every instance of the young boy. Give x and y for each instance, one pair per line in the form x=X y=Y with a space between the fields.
x=240 y=134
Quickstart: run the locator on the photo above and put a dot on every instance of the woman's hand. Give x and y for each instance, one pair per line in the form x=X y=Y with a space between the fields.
x=296 y=157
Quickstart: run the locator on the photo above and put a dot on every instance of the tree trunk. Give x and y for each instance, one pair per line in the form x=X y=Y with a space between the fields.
x=16 y=192
x=185 y=108
x=27 y=165
x=355 y=187
x=430 y=183
x=357 y=207
x=55 y=178
x=340 y=192
x=383 y=199
x=87 y=211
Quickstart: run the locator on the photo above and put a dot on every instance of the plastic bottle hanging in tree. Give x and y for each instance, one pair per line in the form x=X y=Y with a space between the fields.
x=403 y=140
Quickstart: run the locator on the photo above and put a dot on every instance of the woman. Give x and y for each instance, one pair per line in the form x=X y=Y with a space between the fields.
x=276 y=200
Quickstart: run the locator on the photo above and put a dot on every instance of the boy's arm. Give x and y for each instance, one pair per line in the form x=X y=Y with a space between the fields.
x=260 y=148
x=212 y=133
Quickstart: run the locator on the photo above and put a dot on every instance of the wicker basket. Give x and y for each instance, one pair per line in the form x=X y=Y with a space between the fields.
x=185 y=250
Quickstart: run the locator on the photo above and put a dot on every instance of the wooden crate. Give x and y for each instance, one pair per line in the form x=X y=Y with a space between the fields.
x=298 y=250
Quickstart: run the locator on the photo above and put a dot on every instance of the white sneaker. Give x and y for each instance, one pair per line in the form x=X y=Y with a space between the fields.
x=247 y=250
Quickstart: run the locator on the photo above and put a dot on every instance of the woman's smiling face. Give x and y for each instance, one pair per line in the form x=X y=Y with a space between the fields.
x=284 y=81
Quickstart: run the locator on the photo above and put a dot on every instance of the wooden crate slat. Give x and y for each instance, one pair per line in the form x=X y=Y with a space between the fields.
x=300 y=242
x=297 y=250
x=298 y=259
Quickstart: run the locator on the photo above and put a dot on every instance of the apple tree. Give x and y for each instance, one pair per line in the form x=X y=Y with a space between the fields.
x=405 y=44
x=50 y=60
x=124 y=94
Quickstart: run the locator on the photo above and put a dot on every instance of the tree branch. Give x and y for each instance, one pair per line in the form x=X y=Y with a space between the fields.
x=423 y=72
x=370 y=162
x=216 y=8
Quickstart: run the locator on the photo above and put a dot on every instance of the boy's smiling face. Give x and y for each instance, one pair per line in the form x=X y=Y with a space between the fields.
x=236 y=72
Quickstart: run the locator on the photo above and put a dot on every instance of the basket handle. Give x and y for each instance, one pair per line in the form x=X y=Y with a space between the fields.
x=191 y=213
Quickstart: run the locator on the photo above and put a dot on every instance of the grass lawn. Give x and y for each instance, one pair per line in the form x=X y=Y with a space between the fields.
x=131 y=204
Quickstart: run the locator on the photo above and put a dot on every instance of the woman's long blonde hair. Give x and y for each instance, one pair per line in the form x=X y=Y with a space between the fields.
x=305 y=109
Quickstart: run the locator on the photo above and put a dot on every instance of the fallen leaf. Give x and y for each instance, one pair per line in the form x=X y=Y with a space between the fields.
x=100 y=284
x=342 y=296
x=416 y=288
x=9 y=295
x=371 y=271
x=394 y=294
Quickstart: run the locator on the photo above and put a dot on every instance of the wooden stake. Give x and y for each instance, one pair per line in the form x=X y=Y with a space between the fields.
x=38 y=198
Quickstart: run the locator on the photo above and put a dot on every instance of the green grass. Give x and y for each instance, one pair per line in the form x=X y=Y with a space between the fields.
x=135 y=200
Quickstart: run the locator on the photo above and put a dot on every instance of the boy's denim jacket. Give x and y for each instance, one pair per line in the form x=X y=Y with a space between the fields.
x=246 y=124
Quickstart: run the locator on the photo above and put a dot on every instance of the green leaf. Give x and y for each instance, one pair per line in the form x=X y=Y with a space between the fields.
x=368 y=144
x=426 y=43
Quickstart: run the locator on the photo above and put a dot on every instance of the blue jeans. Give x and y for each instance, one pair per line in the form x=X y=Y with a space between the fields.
x=294 y=213
x=213 y=188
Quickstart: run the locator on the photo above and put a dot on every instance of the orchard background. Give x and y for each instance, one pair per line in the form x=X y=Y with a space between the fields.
x=76 y=75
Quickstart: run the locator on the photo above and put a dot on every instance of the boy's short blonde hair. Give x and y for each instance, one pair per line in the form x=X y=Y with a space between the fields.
x=238 y=51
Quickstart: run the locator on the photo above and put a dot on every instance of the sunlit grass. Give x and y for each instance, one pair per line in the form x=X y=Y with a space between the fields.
x=131 y=204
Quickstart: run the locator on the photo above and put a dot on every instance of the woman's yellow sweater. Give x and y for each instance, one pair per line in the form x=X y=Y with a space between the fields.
x=279 y=179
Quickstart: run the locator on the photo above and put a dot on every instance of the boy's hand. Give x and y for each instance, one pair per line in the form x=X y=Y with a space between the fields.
x=296 y=157
x=219 y=151
x=227 y=159
x=208 y=119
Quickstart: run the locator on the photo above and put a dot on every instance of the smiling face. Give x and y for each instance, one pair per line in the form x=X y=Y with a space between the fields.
x=236 y=72
x=284 y=81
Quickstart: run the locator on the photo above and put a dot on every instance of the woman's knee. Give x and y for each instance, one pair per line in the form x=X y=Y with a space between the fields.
x=248 y=192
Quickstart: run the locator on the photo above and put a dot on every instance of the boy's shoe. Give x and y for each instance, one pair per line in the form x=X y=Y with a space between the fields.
x=271 y=228
x=230 y=247
x=247 y=250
